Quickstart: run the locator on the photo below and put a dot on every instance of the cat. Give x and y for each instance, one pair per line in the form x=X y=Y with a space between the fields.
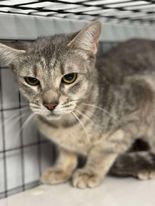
x=89 y=105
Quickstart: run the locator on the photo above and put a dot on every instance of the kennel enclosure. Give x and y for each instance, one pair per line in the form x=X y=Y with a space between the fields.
x=24 y=153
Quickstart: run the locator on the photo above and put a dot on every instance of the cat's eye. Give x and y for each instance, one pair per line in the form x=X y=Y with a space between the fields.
x=32 y=81
x=69 y=78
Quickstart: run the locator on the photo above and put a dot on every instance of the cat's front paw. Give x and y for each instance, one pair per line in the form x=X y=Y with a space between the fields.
x=82 y=178
x=54 y=176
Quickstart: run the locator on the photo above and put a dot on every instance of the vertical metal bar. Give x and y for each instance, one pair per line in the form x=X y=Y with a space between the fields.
x=39 y=153
x=3 y=139
x=22 y=144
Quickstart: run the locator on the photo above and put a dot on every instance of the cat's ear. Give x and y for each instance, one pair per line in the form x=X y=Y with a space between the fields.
x=88 y=38
x=8 y=54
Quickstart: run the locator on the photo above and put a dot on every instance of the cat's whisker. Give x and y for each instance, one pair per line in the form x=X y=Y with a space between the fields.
x=100 y=108
x=40 y=111
x=18 y=110
x=80 y=122
x=34 y=106
x=64 y=110
x=84 y=115
x=73 y=101
x=18 y=118
x=15 y=117
x=87 y=117
x=12 y=116
x=26 y=122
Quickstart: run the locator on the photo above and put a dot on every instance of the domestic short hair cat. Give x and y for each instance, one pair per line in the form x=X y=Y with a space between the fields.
x=90 y=105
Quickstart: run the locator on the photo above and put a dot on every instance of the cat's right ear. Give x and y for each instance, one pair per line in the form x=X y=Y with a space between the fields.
x=9 y=55
x=87 y=39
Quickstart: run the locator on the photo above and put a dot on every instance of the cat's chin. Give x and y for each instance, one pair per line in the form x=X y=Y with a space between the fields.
x=52 y=117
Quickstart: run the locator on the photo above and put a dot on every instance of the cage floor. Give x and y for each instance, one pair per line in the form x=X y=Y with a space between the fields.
x=113 y=192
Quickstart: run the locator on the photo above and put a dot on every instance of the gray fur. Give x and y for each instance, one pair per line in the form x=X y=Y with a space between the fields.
x=102 y=113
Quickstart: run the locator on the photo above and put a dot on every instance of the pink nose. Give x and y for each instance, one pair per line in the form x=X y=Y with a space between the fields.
x=50 y=106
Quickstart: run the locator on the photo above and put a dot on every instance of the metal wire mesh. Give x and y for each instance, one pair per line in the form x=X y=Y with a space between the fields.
x=139 y=10
x=21 y=146
x=24 y=153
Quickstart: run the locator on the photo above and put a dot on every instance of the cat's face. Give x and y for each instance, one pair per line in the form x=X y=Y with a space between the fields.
x=56 y=74
x=55 y=86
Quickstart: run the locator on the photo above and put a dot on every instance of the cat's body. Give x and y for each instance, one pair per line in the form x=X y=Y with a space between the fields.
x=98 y=110
x=124 y=77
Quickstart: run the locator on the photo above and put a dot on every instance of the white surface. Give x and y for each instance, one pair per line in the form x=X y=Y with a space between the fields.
x=113 y=192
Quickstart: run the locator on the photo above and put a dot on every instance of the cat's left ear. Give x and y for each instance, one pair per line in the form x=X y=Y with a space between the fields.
x=88 y=38
x=9 y=55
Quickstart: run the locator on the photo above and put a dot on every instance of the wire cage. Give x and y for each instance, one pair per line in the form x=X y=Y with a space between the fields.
x=24 y=153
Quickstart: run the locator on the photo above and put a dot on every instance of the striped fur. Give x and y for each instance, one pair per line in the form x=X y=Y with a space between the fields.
x=101 y=114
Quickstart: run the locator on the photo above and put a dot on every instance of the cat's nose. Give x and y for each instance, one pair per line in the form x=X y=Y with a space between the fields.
x=50 y=106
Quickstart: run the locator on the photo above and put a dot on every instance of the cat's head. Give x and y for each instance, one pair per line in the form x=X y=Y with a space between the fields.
x=56 y=73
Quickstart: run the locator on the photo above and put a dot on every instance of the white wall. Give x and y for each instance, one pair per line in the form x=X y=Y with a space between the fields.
x=30 y=27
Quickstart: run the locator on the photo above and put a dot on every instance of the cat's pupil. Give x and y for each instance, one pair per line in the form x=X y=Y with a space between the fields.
x=32 y=81
x=69 y=78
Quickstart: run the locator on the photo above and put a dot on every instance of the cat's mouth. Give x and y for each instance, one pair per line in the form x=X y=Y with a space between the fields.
x=55 y=114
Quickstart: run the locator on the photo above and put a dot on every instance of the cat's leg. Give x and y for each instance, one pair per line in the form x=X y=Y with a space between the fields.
x=92 y=174
x=137 y=164
x=100 y=159
x=62 y=170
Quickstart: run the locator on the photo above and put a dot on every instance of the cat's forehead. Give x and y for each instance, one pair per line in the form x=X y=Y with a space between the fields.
x=53 y=55
x=49 y=47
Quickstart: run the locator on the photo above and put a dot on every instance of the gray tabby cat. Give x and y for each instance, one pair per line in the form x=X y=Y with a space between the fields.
x=89 y=105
